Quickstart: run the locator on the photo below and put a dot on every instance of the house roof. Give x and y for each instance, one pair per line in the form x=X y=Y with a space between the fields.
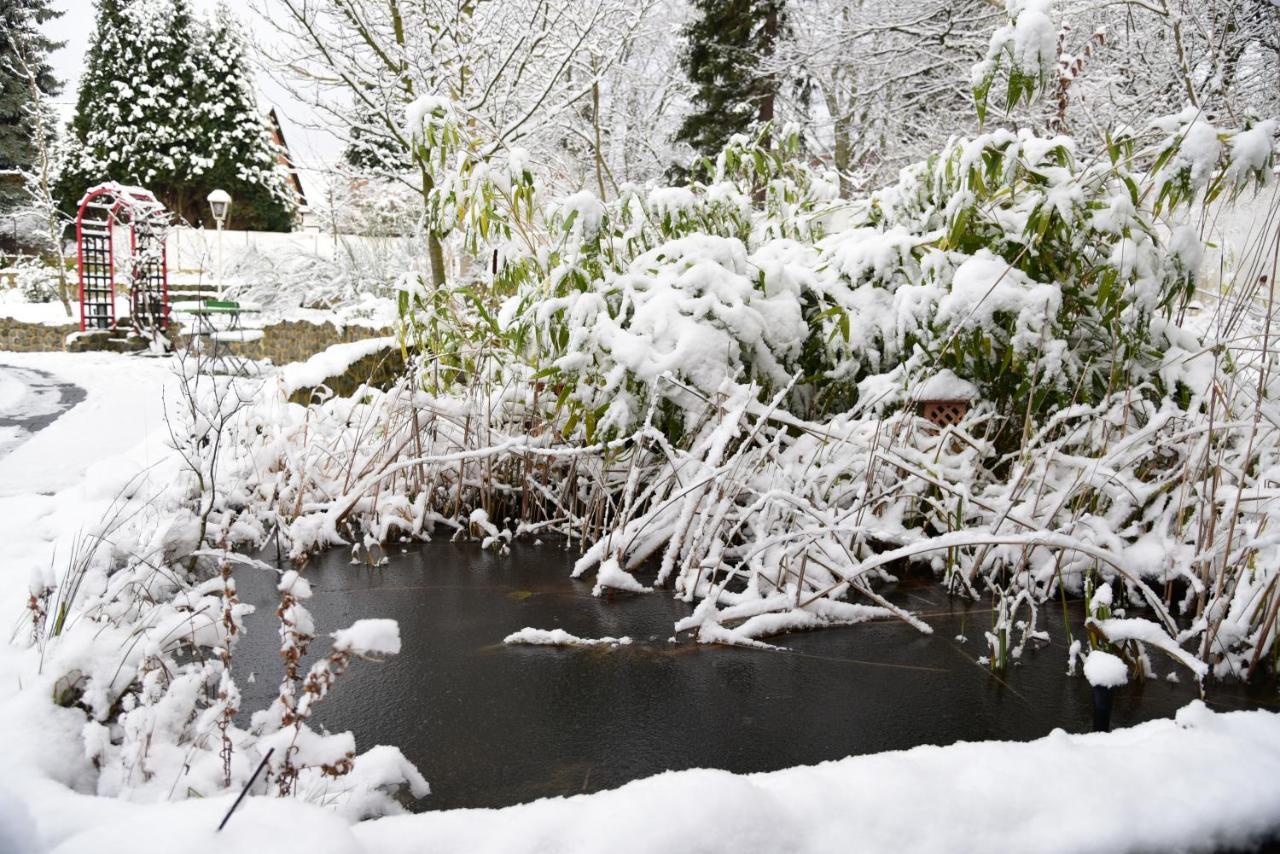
x=286 y=157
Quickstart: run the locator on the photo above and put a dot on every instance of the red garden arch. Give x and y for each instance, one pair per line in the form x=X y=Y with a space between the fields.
x=104 y=211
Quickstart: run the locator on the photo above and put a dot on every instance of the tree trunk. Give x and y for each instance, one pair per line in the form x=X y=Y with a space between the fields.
x=766 y=112
x=435 y=251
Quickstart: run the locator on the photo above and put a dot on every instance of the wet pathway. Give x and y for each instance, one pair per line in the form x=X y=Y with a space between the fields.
x=31 y=400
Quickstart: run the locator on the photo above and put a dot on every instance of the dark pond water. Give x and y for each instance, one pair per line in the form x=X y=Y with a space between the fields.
x=491 y=725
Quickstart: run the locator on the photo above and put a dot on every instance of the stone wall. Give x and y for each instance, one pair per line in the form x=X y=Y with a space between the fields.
x=296 y=340
x=33 y=337
x=379 y=370
x=282 y=343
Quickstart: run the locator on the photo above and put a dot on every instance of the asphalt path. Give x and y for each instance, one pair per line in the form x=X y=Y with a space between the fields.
x=31 y=400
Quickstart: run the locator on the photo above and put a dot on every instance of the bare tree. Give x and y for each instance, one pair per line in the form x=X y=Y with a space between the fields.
x=523 y=72
x=40 y=179
x=879 y=84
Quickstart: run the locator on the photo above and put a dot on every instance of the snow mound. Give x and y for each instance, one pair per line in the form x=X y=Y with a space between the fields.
x=369 y=637
x=1222 y=770
x=330 y=362
x=945 y=385
x=1104 y=670
x=558 y=637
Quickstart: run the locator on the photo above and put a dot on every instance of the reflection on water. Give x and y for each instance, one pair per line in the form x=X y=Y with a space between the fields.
x=491 y=725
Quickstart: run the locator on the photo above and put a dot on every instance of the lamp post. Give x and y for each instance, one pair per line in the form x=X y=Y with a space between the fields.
x=220 y=206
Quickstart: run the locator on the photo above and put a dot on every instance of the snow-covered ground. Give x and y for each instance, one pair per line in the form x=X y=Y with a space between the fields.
x=29 y=400
x=13 y=305
x=1204 y=781
x=58 y=480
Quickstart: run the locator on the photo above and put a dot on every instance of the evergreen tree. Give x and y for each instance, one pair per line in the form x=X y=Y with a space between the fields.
x=371 y=149
x=23 y=49
x=727 y=45
x=244 y=160
x=134 y=110
x=166 y=102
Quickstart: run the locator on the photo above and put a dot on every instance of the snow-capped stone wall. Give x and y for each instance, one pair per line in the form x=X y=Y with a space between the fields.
x=283 y=342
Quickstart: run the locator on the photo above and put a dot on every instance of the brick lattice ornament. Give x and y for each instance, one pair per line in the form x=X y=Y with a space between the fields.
x=944 y=413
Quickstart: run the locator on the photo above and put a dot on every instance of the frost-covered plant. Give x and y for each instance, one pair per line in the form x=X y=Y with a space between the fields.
x=35 y=280
x=140 y=629
x=717 y=384
x=1003 y=259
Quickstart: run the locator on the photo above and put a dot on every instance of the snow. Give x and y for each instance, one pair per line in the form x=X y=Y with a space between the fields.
x=237 y=336
x=1034 y=37
x=427 y=111
x=585 y=209
x=945 y=385
x=43 y=313
x=1135 y=629
x=1079 y=793
x=558 y=637
x=1029 y=42
x=63 y=477
x=986 y=285
x=1222 y=770
x=1250 y=149
x=24 y=397
x=369 y=638
x=671 y=201
x=611 y=576
x=330 y=362
x=1105 y=670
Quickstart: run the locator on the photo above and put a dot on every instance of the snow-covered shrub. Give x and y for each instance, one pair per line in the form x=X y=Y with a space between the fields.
x=356 y=281
x=721 y=378
x=32 y=277
x=1042 y=279
x=1022 y=54
x=138 y=633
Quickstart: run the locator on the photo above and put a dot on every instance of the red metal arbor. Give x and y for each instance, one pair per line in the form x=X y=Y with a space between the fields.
x=105 y=211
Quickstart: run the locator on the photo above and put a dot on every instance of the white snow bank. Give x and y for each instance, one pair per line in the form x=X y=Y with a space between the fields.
x=330 y=362
x=190 y=827
x=14 y=307
x=12 y=390
x=60 y=481
x=1061 y=793
x=558 y=637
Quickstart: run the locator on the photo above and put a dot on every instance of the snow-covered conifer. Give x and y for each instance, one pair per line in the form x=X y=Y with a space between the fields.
x=728 y=44
x=134 y=110
x=240 y=156
x=22 y=47
x=166 y=102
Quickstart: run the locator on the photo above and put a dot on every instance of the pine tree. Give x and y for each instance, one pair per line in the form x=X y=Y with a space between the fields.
x=134 y=109
x=23 y=49
x=727 y=43
x=167 y=103
x=371 y=148
x=233 y=135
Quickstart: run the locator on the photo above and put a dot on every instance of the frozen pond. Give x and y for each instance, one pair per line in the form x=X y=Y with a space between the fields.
x=491 y=725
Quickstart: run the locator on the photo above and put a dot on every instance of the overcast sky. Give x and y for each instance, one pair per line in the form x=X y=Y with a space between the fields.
x=313 y=150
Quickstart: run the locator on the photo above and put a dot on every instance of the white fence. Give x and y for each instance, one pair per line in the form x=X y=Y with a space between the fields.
x=196 y=248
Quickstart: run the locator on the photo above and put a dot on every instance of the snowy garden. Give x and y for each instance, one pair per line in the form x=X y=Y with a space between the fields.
x=778 y=425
